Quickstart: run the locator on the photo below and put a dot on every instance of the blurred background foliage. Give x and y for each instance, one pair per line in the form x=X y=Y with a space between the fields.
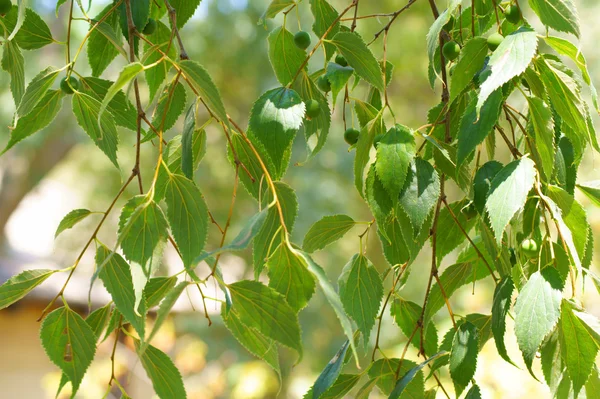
x=60 y=169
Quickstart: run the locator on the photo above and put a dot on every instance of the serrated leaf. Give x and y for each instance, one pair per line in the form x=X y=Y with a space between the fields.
x=477 y=124
x=288 y=275
x=201 y=81
x=36 y=90
x=115 y=274
x=100 y=127
x=27 y=28
x=251 y=339
x=395 y=152
x=185 y=9
x=69 y=342
x=463 y=357
x=338 y=76
x=286 y=58
x=363 y=149
x=157 y=288
x=384 y=372
x=471 y=61
x=333 y=299
x=407 y=314
x=577 y=347
x=97 y=320
x=362 y=293
x=474 y=393
x=14 y=63
x=40 y=117
x=140 y=12
x=500 y=308
x=170 y=106
x=341 y=386
x=510 y=59
x=326 y=231
x=166 y=306
x=142 y=227
x=105 y=41
x=433 y=35
x=325 y=15
x=573 y=216
x=359 y=57
x=22 y=284
x=266 y=310
x=560 y=15
x=420 y=192
x=403 y=383
x=274 y=121
x=453 y=235
x=508 y=193
x=274 y=8
x=165 y=377
x=483 y=182
x=537 y=311
x=127 y=74
x=156 y=75
x=542 y=127
x=71 y=219
x=591 y=190
x=119 y=107
x=330 y=373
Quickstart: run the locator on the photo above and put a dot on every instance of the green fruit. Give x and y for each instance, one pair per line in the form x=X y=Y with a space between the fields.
x=324 y=84
x=451 y=50
x=450 y=24
x=5 y=6
x=150 y=27
x=529 y=248
x=494 y=40
x=302 y=39
x=313 y=109
x=71 y=86
x=513 y=14
x=340 y=60
x=351 y=136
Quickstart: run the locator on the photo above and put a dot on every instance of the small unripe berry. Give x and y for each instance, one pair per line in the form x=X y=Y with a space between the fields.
x=323 y=84
x=513 y=14
x=340 y=60
x=71 y=86
x=5 y=6
x=351 y=136
x=529 y=248
x=302 y=39
x=313 y=108
x=451 y=50
x=494 y=40
x=150 y=27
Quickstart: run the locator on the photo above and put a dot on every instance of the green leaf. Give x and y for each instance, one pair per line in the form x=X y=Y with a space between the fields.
x=123 y=111
x=463 y=357
x=316 y=129
x=471 y=61
x=246 y=156
x=337 y=76
x=97 y=320
x=100 y=127
x=28 y=29
x=477 y=124
x=200 y=80
x=568 y=49
x=384 y=371
x=173 y=154
x=573 y=216
x=333 y=299
x=169 y=107
x=362 y=293
x=142 y=227
x=115 y=274
x=483 y=182
x=157 y=288
x=403 y=383
x=274 y=121
x=330 y=373
x=537 y=311
x=288 y=275
x=36 y=90
x=500 y=308
x=166 y=306
x=407 y=314
x=185 y=9
x=165 y=377
x=286 y=58
x=325 y=15
x=363 y=149
x=40 y=117
x=395 y=152
x=453 y=236
x=560 y=15
x=14 y=63
x=69 y=342
x=104 y=41
x=420 y=192
x=578 y=348
x=359 y=57
x=508 y=193
x=22 y=284
x=542 y=127
x=140 y=12
x=127 y=74
x=340 y=387
x=510 y=59
x=474 y=393
x=433 y=35
x=266 y=310
x=251 y=339
x=156 y=75
x=274 y=8
x=591 y=190
x=71 y=219
x=326 y=231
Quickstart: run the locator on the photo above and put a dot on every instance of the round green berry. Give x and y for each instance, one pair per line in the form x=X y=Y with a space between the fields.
x=340 y=60
x=5 y=6
x=494 y=40
x=529 y=248
x=513 y=14
x=313 y=109
x=451 y=50
x=324 y=84
x=351 y=136
x=69 y=87
x=150 y=27
x=302 y=39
